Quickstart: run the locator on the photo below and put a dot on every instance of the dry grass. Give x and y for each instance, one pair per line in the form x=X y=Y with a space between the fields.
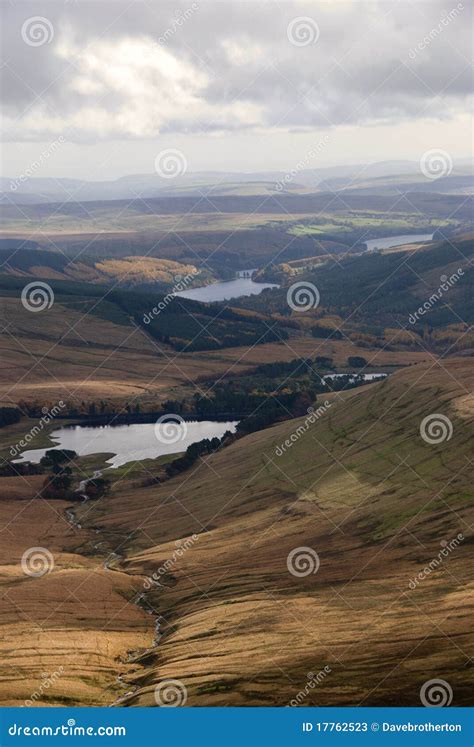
x=77 y=617
x=78 y=358
x=144 y=269
x=372 y=498
x=360 y=487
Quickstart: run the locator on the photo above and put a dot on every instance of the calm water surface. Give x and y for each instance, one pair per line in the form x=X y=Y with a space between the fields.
x=389 y=241
x=364 y=377
x=226 y=290
x=132 y=442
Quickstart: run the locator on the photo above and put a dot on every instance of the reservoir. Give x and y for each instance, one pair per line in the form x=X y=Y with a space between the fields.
x=132 y=442
x=241 y=286
x=390 y=241
x=355 y=376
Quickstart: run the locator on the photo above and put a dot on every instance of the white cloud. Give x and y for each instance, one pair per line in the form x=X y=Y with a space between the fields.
x=229 y=68
x=133 y=87
x=242 y=51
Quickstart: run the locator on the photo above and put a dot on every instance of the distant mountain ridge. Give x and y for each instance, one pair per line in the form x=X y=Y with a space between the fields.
x=40 y=189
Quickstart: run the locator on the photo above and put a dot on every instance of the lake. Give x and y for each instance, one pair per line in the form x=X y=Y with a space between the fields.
x=224 y=291
x=364 y=377
x=131 y=442
x=389 y=241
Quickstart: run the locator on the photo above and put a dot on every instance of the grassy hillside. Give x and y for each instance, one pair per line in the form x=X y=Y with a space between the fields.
x=178 y=322
x=429 y=204
x=374 y=297
x=230 y=232
x=144 y=272
x=80 y=351
x=362 y=489
x=64 y=635
x=82 y=357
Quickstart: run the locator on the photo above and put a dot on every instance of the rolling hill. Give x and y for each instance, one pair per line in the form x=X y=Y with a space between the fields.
x=90 y=332
x=128 y=272
x=37 y=190
x=361 y=492
x=376 y=502
x=375 y=298
x=231 y=232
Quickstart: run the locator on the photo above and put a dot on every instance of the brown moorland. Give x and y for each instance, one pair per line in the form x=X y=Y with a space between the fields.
x=65 y=635
x=65 y=354
x=360 y=487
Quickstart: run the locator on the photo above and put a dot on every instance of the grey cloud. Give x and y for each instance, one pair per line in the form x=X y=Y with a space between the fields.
x=367 y=64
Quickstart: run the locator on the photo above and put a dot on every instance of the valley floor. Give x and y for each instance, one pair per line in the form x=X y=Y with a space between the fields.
x=360 y=493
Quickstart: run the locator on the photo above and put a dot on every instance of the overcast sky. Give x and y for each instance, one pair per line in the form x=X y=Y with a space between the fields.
x=232 y=85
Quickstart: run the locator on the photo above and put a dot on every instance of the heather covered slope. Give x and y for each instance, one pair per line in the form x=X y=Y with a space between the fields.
x=86 y=348
x=362 y=489
x=64 y=635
